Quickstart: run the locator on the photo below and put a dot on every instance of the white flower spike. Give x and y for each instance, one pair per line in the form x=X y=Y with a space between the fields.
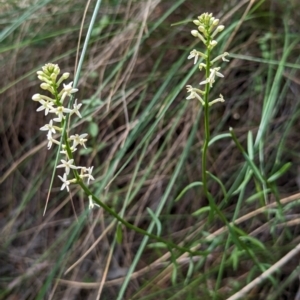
x=49 y=75
x=207 y=30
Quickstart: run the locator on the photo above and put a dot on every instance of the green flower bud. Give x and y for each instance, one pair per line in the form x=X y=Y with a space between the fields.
x=201 y=28
x=215 y=22
x=43 y=78
x=53 y=77
x=66 y=75
x=45 y=86
x=48 y=69
x=213 y=43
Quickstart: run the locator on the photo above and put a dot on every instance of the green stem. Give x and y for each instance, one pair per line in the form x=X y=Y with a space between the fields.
x=135 y=228
x=206 y=128
x=212 y=204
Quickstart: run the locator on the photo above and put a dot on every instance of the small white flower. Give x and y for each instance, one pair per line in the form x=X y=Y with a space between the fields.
x=82 y=171
x=49 y=127
x=51 y=140
x=67 y=91
x=86 y=170
x=211 y=79
x=47 y=106
x=194 y=94
x=196 y=54
x=214 y=72
x=67 y=165
x=79 y=139
x=76 y=109
x=208 y=80
x=73 y=149
x=50 y=143
x=59 y=112
x=66 y=182
x=190 y=90
x=92 y=204
x=64 y=151
x=221 y=99
x=89 y=175
x=201 y=66
x=222 y=56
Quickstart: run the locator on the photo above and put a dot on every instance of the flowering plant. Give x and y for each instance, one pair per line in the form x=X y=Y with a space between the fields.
x=55 y=105
x=208 y=29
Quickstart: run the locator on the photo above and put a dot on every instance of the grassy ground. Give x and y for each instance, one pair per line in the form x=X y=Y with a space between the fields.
x=145 y=145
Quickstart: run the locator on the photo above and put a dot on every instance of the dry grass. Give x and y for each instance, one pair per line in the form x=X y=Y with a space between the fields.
x=131 y=68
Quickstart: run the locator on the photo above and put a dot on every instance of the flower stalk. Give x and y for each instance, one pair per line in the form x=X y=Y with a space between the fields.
x=54 y=105
x=208 y=29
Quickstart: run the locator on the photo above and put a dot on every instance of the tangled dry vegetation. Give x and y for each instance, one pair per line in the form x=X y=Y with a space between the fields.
x=140 y=126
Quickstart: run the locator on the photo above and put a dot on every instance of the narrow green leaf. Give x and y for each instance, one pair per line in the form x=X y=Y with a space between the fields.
x=157 y=245
x=156 y=220
x=190 y=271
x=253 y=241
x=250 y=145
x=201 y=210
x=235 y=258
x=251 y=164
x=174 y=275
x=219 y=182
x=218 y=137
x=119 y=234
x=175 y=268
x=257 y=196
x=191 y=185
x=280 y=172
